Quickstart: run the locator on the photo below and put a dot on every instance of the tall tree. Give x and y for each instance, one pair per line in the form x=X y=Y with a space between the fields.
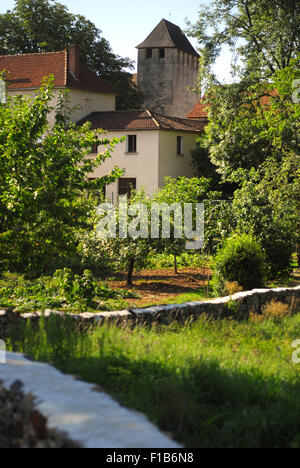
x=264 y=38
x=46 y=25
x=263 y=34
x=43 y=178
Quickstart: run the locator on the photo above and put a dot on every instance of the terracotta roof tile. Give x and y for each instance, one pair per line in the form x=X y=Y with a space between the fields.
x=89 y=81
x=27 y=71
x=199 y=111
x=140 y=120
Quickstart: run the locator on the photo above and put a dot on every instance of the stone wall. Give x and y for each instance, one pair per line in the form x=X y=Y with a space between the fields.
x=165 y=81
x=239 y=305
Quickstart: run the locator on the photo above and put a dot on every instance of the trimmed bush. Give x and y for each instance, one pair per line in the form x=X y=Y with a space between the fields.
x=241 y=260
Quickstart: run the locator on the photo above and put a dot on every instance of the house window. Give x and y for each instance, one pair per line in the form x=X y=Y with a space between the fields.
x=95 y=146
x=180 y=145
x=131 y=143
x=161 y=53
x=148 y=53
x=126 y=186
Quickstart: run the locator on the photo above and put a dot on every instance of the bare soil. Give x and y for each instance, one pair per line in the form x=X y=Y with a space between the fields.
x=162 y=286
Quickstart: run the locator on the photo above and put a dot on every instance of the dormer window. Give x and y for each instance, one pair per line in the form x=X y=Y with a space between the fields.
x=161 y=53
x=148 y=53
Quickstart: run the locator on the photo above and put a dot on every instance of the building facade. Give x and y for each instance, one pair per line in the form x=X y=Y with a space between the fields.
x=156 y=147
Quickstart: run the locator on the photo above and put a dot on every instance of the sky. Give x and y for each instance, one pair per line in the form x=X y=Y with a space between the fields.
x=127 y=24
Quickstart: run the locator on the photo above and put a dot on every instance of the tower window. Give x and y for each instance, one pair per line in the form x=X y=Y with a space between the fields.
x=148 y=53
x=161 y=53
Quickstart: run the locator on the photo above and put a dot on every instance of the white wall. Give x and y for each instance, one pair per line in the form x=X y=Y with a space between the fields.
x=88 y=101
x=156 y=158
x=142 y=165
x=170 y=163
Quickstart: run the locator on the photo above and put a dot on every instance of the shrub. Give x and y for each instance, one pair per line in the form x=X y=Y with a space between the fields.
x=241 y=260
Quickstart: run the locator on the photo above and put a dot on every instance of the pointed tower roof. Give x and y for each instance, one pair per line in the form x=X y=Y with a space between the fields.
x=167 y=34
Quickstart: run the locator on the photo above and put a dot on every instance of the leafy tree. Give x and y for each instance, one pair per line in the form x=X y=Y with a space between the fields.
x=264 y=39
x=184 y=190
x=263 y=34
x=131 y=252
x=203 y=167
x=47 y=25
x=128 y=250
x=250 y=122
x=43 y=181
x=253 y=133
x=268 y=207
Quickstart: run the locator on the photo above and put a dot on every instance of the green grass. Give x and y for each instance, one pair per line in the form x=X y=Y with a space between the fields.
x=210 y=384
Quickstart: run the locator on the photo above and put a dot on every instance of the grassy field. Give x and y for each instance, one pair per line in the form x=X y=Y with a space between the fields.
x=210 y=384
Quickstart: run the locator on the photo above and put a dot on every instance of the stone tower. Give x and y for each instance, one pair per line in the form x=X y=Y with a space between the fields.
x=167 y=65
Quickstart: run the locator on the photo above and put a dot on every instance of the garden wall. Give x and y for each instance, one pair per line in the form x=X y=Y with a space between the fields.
x=239 y=305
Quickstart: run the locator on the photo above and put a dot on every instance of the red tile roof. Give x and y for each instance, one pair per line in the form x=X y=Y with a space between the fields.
x=199 y=111
x=88 y=80
x=27 y=71
x=140 y=120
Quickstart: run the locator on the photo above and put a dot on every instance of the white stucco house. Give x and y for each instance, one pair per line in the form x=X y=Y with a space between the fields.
x=155 y=147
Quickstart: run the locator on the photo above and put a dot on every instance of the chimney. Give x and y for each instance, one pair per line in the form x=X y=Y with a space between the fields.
x=74 y=60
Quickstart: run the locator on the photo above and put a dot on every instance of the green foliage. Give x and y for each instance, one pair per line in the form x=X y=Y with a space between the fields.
x=240 y=259
x=250 y=121
x=74 y=288
x=267 y=207
x=187 y=259
x=130 y=251
x=183 y=190
x=264 y=35
x=47 y=25
x=253 y=139
x=211 y=383
x=203 y=167
x=64 y=290
x=43 y=180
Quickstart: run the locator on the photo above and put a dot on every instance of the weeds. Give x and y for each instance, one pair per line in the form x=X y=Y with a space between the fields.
x=62 y=291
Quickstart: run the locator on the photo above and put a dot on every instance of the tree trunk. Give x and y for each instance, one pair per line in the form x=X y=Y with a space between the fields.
x=130 y=272
x=175 y=265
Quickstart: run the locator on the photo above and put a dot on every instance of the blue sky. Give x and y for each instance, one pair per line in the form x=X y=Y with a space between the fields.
x=126 y=24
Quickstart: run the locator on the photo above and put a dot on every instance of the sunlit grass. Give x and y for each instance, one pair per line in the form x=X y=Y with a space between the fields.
x=211 y=384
